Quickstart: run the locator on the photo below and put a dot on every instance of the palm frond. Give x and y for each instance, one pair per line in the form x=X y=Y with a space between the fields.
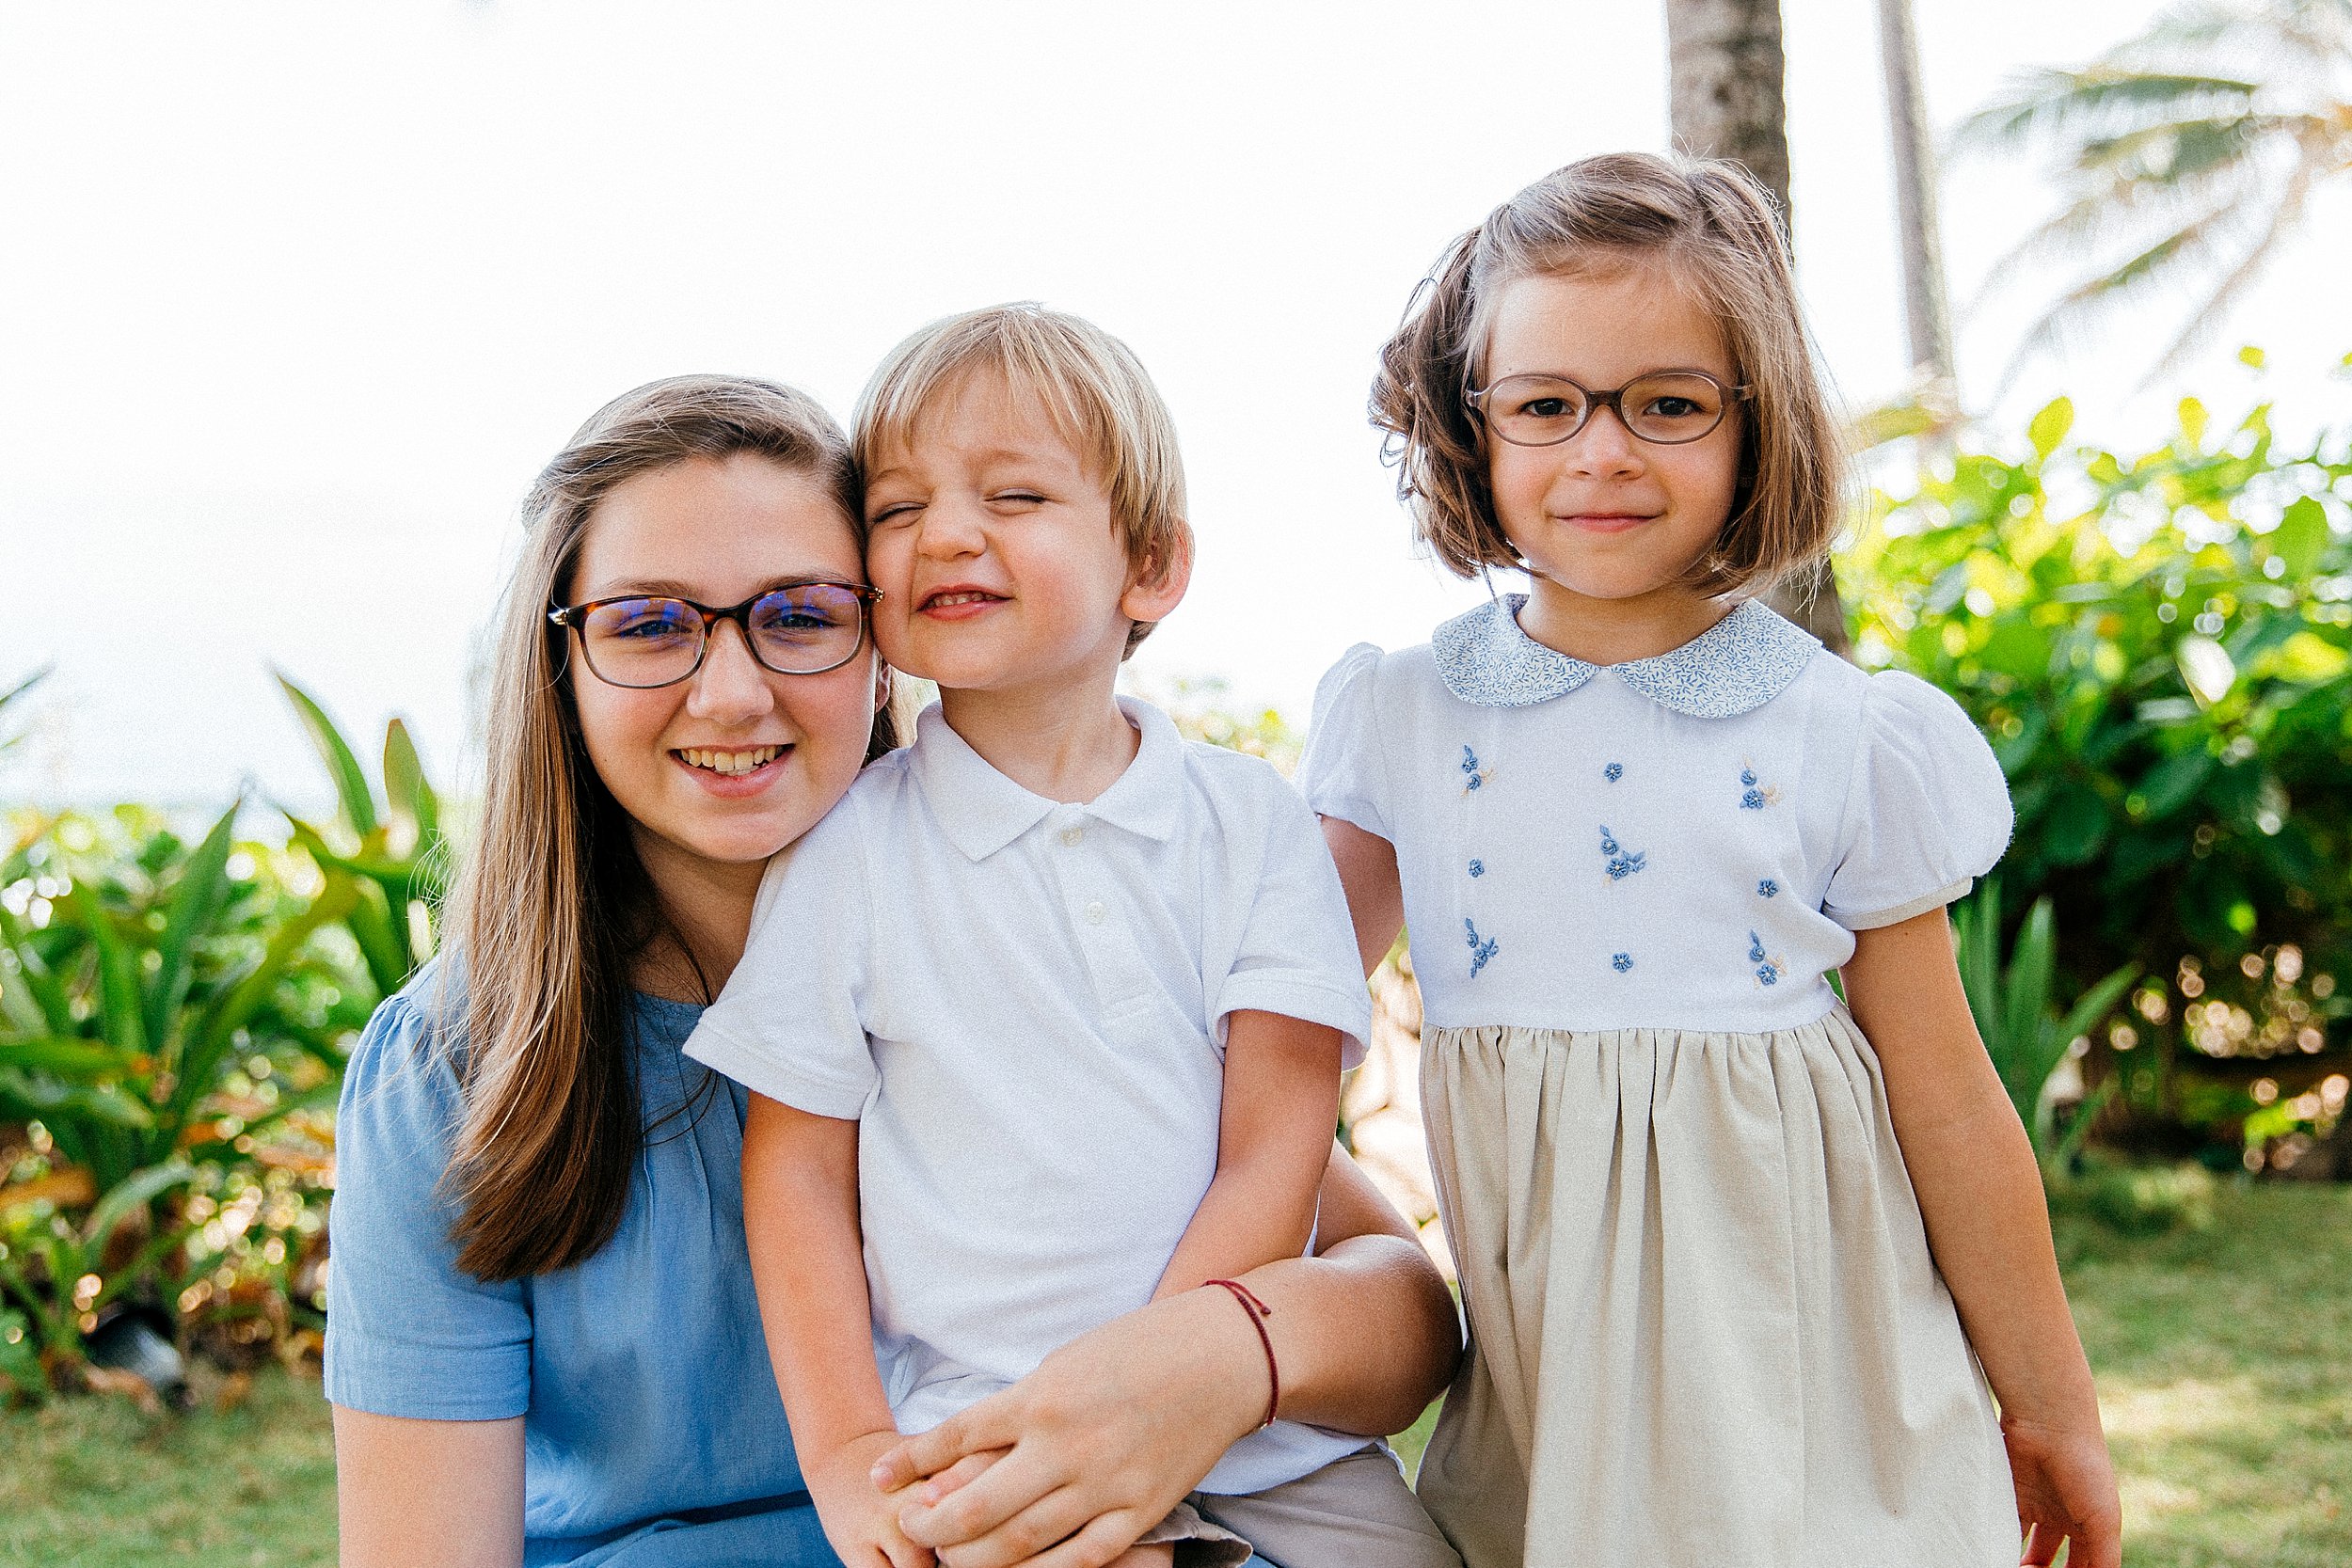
x=2049 y=105
x=2082 y=307
x=2284 y=214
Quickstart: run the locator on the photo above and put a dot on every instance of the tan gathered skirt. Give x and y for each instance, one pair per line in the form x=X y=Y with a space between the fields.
x=1705 y=1328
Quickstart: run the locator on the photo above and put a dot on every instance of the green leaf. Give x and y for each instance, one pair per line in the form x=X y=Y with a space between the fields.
x=2172 y=785
x=406 y=789
x=2207 y=669
x=2097 y=1002
x=203 y=888
x=2075 y=825
x=134 y=1192
x=351 y=784
x=2193 y=420
x=73 y=1058
x=2049 y=426
x=121 y=1017
x=2301 y=537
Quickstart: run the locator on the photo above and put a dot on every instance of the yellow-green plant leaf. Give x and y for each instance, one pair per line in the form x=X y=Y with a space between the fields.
x=2049 y=427
x=2193 y=424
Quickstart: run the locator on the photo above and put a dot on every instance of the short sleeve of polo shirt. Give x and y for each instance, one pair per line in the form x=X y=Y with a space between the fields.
x=1341 y=775
x=790 y=1024
x=1297 y=953
x=408 y=1332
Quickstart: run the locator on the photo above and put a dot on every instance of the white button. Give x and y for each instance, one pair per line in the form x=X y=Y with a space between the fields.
x=1072 y=835
x=1095 y=912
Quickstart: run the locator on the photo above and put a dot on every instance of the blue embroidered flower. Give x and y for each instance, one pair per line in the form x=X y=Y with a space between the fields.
x=1618 y=863
x=1767 y=889
x=1478 y=868
x=1477 y=776
x=1480 y=950
x=1614 y=771
x=1755 y=796
x=1622 y=962
x=1768 y=968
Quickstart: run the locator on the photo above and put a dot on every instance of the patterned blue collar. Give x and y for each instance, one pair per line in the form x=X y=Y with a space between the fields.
x=1737 y=665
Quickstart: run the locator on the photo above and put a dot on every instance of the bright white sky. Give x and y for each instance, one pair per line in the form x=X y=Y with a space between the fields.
x=295 y=300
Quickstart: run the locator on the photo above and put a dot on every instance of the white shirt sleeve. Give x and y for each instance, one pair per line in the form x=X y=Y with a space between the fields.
x=1342 y=774
x=1297 y=950
x=789 y=1024
x=1927 y=813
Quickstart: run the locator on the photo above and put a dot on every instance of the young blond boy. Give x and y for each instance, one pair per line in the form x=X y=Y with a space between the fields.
x=1046 y=1019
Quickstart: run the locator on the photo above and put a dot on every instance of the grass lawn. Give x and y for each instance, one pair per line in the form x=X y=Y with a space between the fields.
x=93 y=1483
x=2224 y=1360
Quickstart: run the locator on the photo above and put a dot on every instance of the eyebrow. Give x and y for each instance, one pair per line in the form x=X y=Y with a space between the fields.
x=669 y=588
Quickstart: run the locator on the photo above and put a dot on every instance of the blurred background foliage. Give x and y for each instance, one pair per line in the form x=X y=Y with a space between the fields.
x=174 y=1020
x=2158 y=645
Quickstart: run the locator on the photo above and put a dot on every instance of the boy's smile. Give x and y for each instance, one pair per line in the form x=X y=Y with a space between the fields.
x=993 y=542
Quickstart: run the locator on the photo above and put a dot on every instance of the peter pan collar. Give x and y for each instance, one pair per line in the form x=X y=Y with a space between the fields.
x=981 y=811
x=1737 y=665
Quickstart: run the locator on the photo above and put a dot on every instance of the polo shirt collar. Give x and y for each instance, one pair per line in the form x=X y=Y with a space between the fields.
x=982 y=809
x=1737 y=665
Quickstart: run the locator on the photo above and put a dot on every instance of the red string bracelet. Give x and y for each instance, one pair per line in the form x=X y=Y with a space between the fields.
x=1259 y=1311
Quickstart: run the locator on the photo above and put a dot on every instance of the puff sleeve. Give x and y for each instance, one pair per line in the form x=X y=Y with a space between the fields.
x=408 y=1332
x=790 y=1023
x=1926 y=810
x=1343 y=773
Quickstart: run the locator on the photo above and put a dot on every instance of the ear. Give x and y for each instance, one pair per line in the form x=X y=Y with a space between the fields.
x=881 y=685
x=1159 y=585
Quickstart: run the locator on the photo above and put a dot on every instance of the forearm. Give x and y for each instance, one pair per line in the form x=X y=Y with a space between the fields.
x=1973 y=1168
x=801 y=1223
x=412 y=1494
x=1365 y=1291
x=1988 y=1227
x=1281 y=1099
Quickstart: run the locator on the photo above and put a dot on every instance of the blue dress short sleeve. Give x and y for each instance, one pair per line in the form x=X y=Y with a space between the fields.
x=410 y=1333
x=1342 y=774
x=1927 y=813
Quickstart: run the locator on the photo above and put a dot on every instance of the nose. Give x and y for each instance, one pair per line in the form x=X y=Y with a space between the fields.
x=1605 y=447
x=949 y=528
x=731 y=688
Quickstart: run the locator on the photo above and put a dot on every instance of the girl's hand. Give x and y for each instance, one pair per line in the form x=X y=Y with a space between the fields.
x=861 y=1518
x=2065 y=1492
x=1068 y=1467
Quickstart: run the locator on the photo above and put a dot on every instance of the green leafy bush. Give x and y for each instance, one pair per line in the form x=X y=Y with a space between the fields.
x=174 y=1023
x=2158 y=648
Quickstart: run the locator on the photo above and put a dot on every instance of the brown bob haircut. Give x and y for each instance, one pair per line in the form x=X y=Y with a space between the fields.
x=1089 y=384
x=1709 y=229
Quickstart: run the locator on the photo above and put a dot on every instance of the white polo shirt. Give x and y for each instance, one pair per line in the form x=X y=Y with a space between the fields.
x=1023 y=1003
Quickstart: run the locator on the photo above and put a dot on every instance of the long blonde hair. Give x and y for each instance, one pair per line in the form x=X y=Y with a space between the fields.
x=553 y=906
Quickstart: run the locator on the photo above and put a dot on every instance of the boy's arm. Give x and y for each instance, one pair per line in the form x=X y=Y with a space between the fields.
x=808 y=1266
x=1274 y=1137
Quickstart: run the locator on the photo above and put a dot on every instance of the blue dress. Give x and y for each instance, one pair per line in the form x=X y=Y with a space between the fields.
x=653 y=1434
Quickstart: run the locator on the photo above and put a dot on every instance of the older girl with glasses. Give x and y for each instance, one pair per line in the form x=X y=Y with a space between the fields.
x=542 y=1346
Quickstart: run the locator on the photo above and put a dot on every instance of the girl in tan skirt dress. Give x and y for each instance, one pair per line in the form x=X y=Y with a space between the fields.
x=1738 y=1258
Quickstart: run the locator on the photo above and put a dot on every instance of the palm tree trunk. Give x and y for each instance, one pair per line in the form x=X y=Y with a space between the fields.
x=1724 y=69
x=1927 y=317
x=1725 y=98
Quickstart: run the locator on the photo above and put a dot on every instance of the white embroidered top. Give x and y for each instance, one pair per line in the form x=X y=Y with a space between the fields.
x=1683 y=841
